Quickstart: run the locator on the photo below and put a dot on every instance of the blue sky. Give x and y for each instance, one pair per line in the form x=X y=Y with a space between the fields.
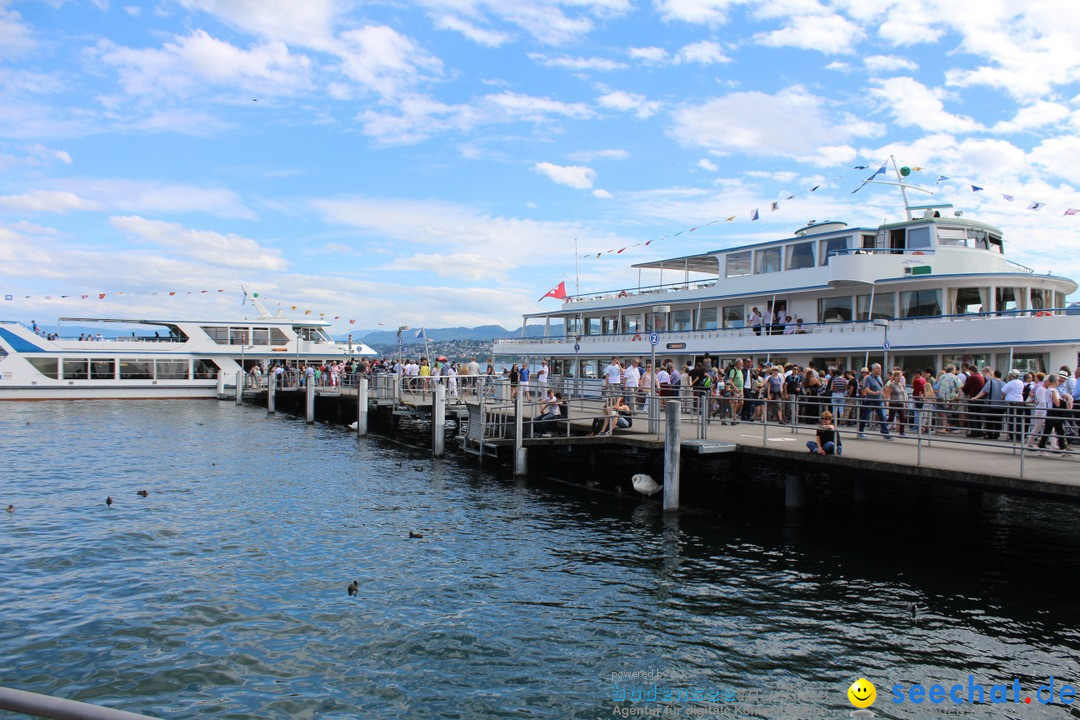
x=432 y=162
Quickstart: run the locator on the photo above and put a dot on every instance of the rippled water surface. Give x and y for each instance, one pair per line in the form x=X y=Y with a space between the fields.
x=223 y=593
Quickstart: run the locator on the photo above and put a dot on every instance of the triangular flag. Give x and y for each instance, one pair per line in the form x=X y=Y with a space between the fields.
x=976 y=188
x=85 y=296
x=154 y=293
x=775 y=206
x=9 y=297
x=941 y=177
x=754 y=216
x=1072 y=211
x=203 y=291
x=1010 y=198
x=730 y=219
x=648 y=241
x=814 y=188
x=352 y=322
x=171 y=293
x=558 y=292
x=307 y=312
x=1036 y=206
x=101 y=296
x=620 y=251
x=292 y=307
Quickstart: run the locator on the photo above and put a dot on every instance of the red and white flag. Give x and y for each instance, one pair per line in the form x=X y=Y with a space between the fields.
x=558 y=292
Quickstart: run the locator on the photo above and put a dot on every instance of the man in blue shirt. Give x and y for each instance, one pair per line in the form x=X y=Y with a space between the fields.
x=871 y=390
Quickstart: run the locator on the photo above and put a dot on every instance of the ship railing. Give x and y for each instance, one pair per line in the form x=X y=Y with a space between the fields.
x=46 y=706
x=641 y=290
x=827 y=326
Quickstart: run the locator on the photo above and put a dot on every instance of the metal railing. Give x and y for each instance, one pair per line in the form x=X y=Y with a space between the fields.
x=46 y=706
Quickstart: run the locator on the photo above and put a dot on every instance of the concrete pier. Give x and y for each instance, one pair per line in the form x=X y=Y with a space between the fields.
x=672 y=448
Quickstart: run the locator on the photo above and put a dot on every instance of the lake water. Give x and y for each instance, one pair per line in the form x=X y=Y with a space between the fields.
x=223 y=593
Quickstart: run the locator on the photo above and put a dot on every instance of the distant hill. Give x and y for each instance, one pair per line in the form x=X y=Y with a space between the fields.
x=483 y=332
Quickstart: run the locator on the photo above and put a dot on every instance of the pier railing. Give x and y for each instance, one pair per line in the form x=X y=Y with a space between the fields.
x=46 y=706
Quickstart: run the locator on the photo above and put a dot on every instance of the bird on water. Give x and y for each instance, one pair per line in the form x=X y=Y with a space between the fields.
x=414 y=534
x=645 y=485
x=108 y=501
x=11 y=508
x=354 y=587
x=142 y=493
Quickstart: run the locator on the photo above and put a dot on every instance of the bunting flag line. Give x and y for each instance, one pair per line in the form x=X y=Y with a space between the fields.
x=558 y=292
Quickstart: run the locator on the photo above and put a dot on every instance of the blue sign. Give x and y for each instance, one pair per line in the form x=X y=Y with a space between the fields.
x=887 y=345
x=654 y=339
x=577 y=347
x=399 y=342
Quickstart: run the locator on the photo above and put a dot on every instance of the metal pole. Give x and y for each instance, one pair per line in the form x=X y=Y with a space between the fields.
x=520 y=464
x=239 y=387
x=361 y=406
x=310 y=387
x=672 y=448
x=220 y=383
x=438 y=421
x=271 y=389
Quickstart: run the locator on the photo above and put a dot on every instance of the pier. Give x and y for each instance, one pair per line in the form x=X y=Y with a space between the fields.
x=484 y=422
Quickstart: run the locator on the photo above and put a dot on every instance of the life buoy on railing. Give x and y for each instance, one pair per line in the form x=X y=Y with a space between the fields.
x=1043 y=313
x=637 y=336
x=917 y=252
x=622 y=293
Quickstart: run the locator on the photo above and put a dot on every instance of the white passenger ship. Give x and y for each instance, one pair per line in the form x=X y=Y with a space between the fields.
x=166 y=359
x=930 y=290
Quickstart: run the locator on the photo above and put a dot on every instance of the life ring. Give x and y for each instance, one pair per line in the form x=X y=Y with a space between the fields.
x=1043 y=313
x=637 y=336
x=917 y=252
x=622 y=293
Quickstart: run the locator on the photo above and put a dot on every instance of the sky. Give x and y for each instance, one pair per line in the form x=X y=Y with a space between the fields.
x=447 y=162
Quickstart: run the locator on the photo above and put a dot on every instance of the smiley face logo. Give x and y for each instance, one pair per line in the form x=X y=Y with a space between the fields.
x=862 y=693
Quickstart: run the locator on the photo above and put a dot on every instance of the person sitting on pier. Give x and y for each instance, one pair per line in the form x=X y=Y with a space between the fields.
x=616 y=413
x=551 y=409
x=828 y=438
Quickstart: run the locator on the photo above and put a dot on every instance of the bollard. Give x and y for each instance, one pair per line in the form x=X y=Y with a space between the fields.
x=361 y=406
x=438 y=421
x=672 y=448
x=239 y=387
x=221 y=384
x=311 y=401
x=520 y=460
x=271 y=388
x=794 y=490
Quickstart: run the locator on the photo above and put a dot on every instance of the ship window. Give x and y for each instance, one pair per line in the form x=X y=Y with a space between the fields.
x=918 y=238
x=1024 y=362
x=573 y=326
x=1040 y=299
x=260 y=336
x=133 y=369
x=632 y=323
x=869 y=241
x=834 y=309
x=734 y=316
x=592 y=326
x=277 y=337
x=970 y=300
x=978 y=237
x=833 y=246
x=611 y=325
x=657 y=322
x=171 y=369
x=768 y=260
x=883 y=306
x=682 y=320
x=800 y=255
x=951 y=237
x=220 y=335
x=49 y=367
x=920 y=303
x=103 y=369
x=205 y=368
x=707 y=319
x=738 y=264
x=76 y=368
x=239 y=336
x=1006 y=299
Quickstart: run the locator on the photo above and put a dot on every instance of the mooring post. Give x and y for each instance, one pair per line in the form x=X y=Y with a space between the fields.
x=397 y=388
x=361 y=406
x=654 y=413
x=221 y=384
x=310 y=387
x=520 y=464
x=271 y=388
x=672 y=448
x=794 y=490
x=438 y=421
x=239 y=387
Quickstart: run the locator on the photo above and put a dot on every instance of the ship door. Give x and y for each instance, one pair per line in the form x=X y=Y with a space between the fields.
x=896 y=240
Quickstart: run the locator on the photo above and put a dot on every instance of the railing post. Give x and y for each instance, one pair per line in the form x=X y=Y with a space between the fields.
x=239 y=387
x=361 y=406
x=271 y=389
x=438 y=420
x=654 y=413
x=672 y=448
x=310 y=388
x=520 y=464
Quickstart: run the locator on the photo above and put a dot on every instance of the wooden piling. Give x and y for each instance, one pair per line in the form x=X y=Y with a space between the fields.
x=672 y=448
x=361 y=406
x=520 y=453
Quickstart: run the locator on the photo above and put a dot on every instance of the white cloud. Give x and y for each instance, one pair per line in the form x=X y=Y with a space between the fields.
x=793 y=123
x=380 y=58
x=575 y=176
x=590 y=155
x=1038 y=114
x=704 y=52
x=828 y=33
x=707 y=164
x=708 y=12
x=208 y=246
x=878 y=64
x=480 y=36
x=51 y=201
x=536 y=109
x=309 y=23
x=601 y=193
x=629 y=102
x=473 y=267
x=189 y=64
x=1061 y=156
x=652 y=55
x=15 y=37
x=578 y=63
x=912 y=104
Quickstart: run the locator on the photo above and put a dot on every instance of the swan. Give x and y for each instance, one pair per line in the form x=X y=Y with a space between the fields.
x=645 y=485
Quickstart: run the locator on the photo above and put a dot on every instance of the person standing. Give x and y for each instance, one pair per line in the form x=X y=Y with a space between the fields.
x=872 y=395
x=613 y=378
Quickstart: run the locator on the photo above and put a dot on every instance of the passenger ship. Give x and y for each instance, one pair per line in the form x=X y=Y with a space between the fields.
x=933 y=289
x=167 y=359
